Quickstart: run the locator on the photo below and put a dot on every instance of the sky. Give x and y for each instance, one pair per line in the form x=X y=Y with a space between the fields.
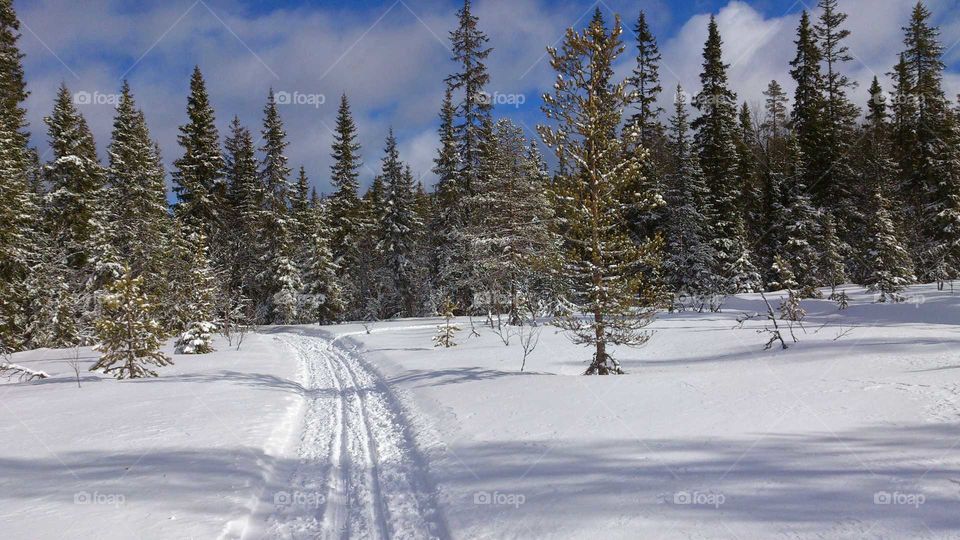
x=391 y=57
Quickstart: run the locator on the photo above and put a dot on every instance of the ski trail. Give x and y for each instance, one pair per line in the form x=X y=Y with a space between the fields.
x=357 y=474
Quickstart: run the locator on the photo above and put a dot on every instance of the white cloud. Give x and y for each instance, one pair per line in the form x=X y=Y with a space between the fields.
x=391 y=64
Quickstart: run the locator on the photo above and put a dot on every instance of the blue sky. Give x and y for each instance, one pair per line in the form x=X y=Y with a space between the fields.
x=391 y=57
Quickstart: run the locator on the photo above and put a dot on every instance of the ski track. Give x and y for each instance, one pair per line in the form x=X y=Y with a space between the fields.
x=357 y=475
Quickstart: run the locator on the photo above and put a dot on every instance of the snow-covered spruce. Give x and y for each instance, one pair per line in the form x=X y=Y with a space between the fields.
x=198 y=339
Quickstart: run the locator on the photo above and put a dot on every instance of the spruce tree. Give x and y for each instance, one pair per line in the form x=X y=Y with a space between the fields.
x=470 y=51
x=323 y=296
x=128 y=335
x=806 y=118
x=716 y=140
x=55 y=310
x=136 y=181
x=345 y=201
x=934 y=169
x=512 y=240
x=601 y=259
x=645 y=93
x=645 y=84
x=689 y=257
x=198 y=178
x=19 y=210
x=279 y=282
x=246 y=196
x=886 y=264
x=448 y=222
x=76 y=181
x=834 y=189
x=399 y=227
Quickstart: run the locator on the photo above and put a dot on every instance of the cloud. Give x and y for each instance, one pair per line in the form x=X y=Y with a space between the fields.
x=391 y=59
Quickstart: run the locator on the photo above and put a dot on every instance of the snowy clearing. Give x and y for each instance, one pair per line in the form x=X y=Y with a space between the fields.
x=333 y=432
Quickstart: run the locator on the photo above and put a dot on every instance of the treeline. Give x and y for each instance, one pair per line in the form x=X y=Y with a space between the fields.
x=645 y=209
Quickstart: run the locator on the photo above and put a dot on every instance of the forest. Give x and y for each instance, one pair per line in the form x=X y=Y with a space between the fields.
x=640 y=209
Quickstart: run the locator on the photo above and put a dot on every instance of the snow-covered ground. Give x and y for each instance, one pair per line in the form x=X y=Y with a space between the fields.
x=306 y=432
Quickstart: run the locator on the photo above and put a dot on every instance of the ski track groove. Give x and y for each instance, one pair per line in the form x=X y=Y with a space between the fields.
x=362 y=461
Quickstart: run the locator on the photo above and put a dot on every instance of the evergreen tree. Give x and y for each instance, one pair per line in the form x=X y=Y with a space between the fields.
x=18 y=203
x=345 y=202
x=55 y=311
x=448 y=223
x=448 y=330
x=198 y=178
x=128 y=335
x=806 y=118
x=192 y=281
x=646 y=89
x=601 y=258
x=716 y=140
x=300 y=211
x=886 y=262
x=646 y=86
x=76 y=181
x=934 y=168
x=469 y=45
x=246 y=196
x=280 y=282
x=323 y=296
x=751 y=197
x=399 y=227
x=834 y=189
x=513 y=241
x=137 y=194
x=689 y=257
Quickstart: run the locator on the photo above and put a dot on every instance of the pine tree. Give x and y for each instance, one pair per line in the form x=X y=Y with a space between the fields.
x=806 y=118
x=799 y=223
x=280 y=282
x=601 y=258
x=886 y=262
x=19 y=210
x=323 y=296
x=448 y=330
x=834 y=189
x=689 y=257
x=246 y=196
x=469 y=45
x=399 y=227
x=715 y=138
x=76 y=181
x=55 y=310
x=645 y=92
x=129 y=337
x=191 y=278
x=751 y=196
x=450 y=260
x=934 y=168
x=646 y=86
x=136 y=181
x=512 y=241
x=345 y=202
x=300 y=209
x=198 y=178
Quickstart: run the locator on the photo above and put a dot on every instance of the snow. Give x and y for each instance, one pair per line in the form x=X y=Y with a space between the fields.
x=309 y=431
